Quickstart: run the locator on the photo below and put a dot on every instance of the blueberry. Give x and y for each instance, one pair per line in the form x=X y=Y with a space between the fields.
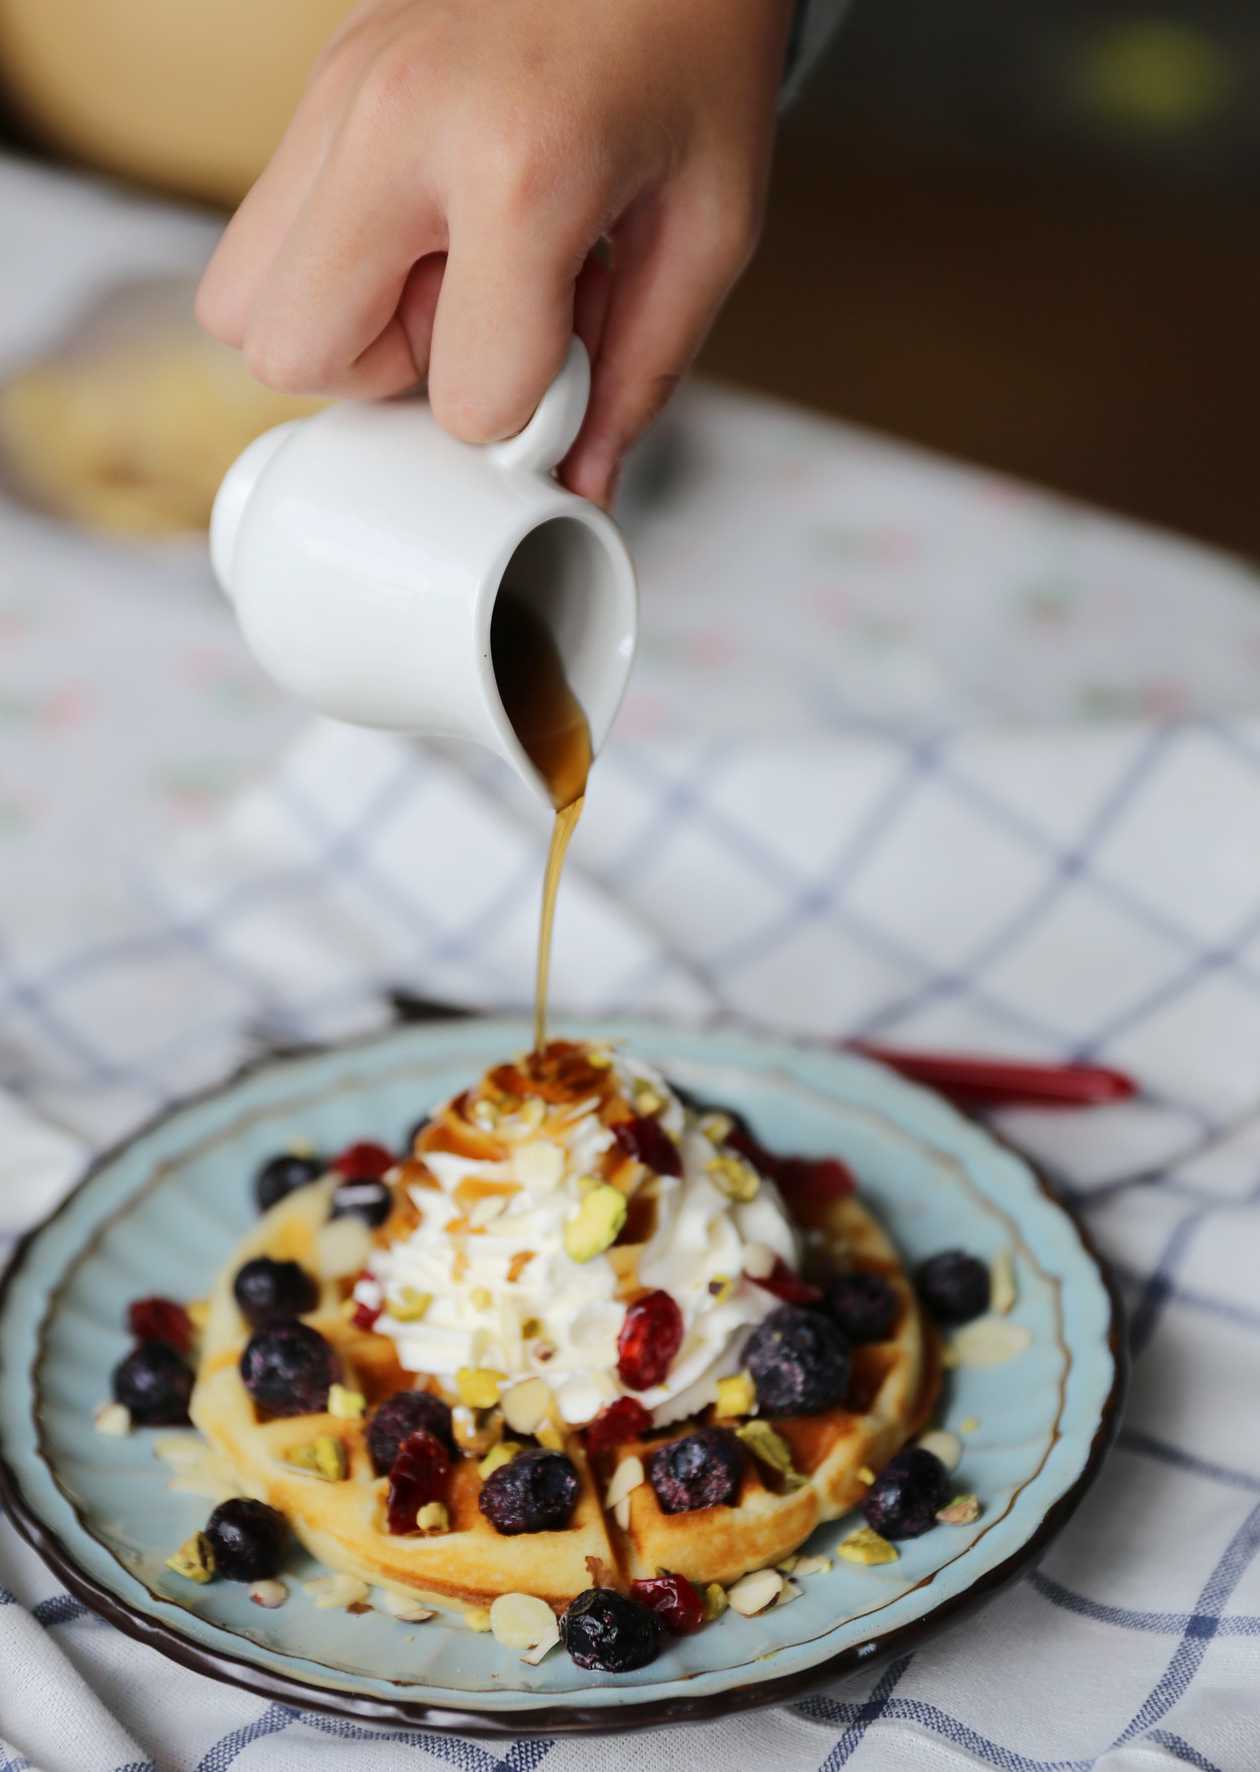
x=905 y=1497
x=702 y=1470
x=280 y=1175
x=371 y=1201
x=247 y=1538
x=863 y=1305
x=154 y=1384
x=406 y=1412
x=603 y=1629
x=954 y=1286
x=799 y=1361
x=535 y=1493
x=287 y=1368
x=268 y=1290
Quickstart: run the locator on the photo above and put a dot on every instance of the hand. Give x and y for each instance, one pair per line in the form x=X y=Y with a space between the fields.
x=434 y=209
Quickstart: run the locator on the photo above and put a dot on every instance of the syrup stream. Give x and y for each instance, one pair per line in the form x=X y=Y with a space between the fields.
x=548 y=719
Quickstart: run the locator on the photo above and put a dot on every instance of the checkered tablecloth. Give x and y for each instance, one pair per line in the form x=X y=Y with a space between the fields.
x=911 y=753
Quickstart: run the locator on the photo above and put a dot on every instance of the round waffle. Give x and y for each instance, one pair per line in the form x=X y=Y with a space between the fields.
x=892 y=1393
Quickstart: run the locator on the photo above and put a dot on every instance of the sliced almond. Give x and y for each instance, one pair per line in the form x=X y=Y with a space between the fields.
x=404 y=1607
x=946 y=1446
x=792 y=1590
x=486 y=1210
x=342 y=1247
x=818 y=1565
x=1002 y=1283
x=621 y=1513
x=269 y=1594
x=989 y=1341
x=521 y=1621
x=626 y=1478
x=539 y=1166
x=759 y=1260
x=526 y=1406
x=753 y=1593
x=329 y=1592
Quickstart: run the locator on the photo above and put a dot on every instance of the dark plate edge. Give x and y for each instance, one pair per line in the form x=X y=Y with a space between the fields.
x=570 y=1717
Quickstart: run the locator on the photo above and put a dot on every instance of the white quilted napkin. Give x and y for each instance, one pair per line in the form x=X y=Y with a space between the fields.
x=910 y=753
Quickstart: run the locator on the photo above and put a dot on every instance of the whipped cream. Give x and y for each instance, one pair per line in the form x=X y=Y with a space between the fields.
x=558 y=1319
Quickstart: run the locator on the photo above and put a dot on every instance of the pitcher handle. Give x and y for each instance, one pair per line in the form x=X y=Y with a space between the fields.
x=548 y=436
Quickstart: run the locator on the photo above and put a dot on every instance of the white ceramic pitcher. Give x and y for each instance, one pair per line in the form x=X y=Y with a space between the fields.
x=364 y=549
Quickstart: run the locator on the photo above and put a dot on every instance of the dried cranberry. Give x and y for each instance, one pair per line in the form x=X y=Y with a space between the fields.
x=651 y=1334
x=790 y=1287
x=626 y=1419
x=161 y=1319
x=364 y=1162
x=645 y=1139
x=674 y=1601
x=417 y=1475
x=405 y=1413
x=807 y=1180
x=364 y=1316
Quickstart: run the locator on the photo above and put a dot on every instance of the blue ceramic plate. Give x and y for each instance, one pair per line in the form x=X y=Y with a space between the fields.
x=162 y=1214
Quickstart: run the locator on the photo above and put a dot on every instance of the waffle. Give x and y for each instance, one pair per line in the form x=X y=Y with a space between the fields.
x=342 y=1523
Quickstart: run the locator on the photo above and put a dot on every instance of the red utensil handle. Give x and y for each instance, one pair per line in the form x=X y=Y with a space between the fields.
x=974 y=1081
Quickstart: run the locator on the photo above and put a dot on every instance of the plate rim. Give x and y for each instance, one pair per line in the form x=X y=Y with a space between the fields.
x=570 y=1715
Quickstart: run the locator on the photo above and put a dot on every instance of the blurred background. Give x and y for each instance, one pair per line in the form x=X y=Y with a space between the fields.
x=1024 y=235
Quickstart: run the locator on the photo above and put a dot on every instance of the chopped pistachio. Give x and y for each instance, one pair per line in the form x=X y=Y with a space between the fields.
x=408 y=1305
x=477 y=1618
x=647 y=1100
x=586 y=1184
x=194 y=1559
x=715 y=1601
x=867 y=1547
x=434 y=1517
x=963 y=1510
x=345 y=1405
x=772 y=1450
x=485 y=1115
x=734 y=1177
x=599 y=1058
x=550 y=1436
x=478 y=1386
x=503 y=1453
x=865 y=1474
x=323 y=1457
x=736 y=1395
x=596 y=1223
x=720 y=1288
x=717 y=1128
